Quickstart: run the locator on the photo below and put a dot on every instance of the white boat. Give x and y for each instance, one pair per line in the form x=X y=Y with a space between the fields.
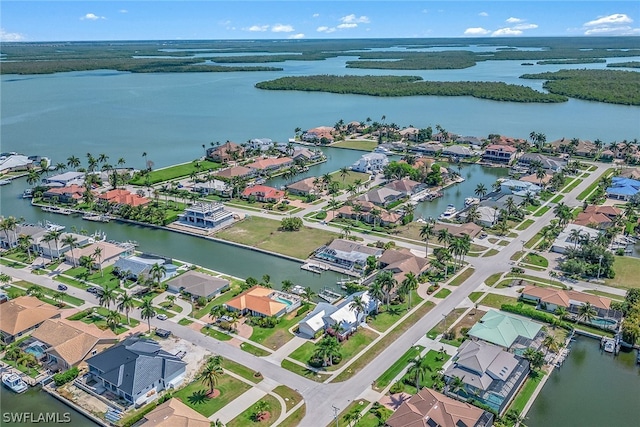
x=471 y=201
x=14 y=382
x=449 y=213
x=28 y=193
x=383 y=150
x=5 y=181
x=609 y=346
x=297 y=289
x=55 y=209
x=96 y=217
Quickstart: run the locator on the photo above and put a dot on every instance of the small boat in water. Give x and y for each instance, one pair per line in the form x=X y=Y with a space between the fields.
x=471 y=201
x=297 y=289
x=55 y=209
x=5 y=181
x=96 y=217
x=28 y=193
x=449 y=213
x=383 y=150
x=14 y=382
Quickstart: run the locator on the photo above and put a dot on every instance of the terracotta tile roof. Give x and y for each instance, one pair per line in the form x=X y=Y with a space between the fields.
x=257 y=299
x=605 y=210
x=587 y=219
x=72 y=341
x=74 y=191
x=174 y=413
x=428 y=407
x=263 y=191
x=304 y=185
x=563 y=298
x=269 y=163
x=25 y=312
x=124 y=197
x=533 y=178
x=234 y=171
x=504 y=148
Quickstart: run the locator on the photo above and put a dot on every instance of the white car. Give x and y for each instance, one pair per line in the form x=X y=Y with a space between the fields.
x=162 y=316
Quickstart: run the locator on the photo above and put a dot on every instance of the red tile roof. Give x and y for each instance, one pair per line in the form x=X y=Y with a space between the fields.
x=124 y=197
x=263 y=191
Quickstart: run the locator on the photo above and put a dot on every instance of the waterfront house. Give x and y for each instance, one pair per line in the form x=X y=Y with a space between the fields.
x=579 y=147
x=428 y=408
x=458 y=151
x=10 y=239
x=321 y=134
x=213 y=187
x=458 y=230
x=109 y=252
x=406 y=186
x=260 y=144
x=21 y=316
x=490 y=375
x=225 y=152
x=400 y=262
x=71 y=194
x=499 y=153
x=469 y=140
x=385 y=218
x=568 y=240
x=630 y=172
x=381 y=196
x=197 y=284
x=533 y=179
x=120 y=197
x=511 y=332
x=326 y=316
x=136 y=370
x=55 y=249
x=347 y=254
x=134 y=267
x=550 y=164
x=64 y=343
x=263 y=302
x=204 y=215
x=304 y=187
x=409 y=134
x=371 y=163
x=235 y=172
x=600 y=217
x=174 y=413
x=488 y=216
x=15 y=163
x=305 y=155
x=622 y=188
x=270 y=164
x=64 y=179
x=550 y=299
x=519 y=188
x=427 y=148
x=263 y=193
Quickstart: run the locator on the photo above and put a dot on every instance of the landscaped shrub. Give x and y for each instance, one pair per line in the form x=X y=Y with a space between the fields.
x=533 y=313
x=65 y=377
x=398 y=387
x=264 y=322
x=303 y=309
x=321 y=215
x=79 y=315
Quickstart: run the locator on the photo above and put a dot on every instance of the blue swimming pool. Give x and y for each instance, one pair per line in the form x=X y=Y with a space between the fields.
x=36 y=350
x=604 y=323
x=284 y=301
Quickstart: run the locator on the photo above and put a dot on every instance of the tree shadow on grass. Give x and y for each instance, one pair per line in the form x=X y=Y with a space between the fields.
x=198 y=397
x=393 y=311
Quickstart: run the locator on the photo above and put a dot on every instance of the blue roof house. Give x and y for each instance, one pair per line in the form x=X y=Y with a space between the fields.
x=623 y=188
x=519 y=188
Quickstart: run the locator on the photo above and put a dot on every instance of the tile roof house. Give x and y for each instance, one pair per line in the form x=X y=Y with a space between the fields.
x=303 y=187
x=174 y=413
x=506 y=330
x=385 y=218
x=490 y=375
x=381 y=196
x=347 y=254
x=108 y=252
x=270 y=164
x=499 y=153
x=198 y=284
x=317 y=134
x=582 y=148
x=598 y=216
x=71 y=194
x=225 y=152
x=551 y=164
x=120 y=196
x=56 y=249
x=15 y=162
x=20 y=316
x=430 y=148
x=406 y=186
x=263 y=193
x=10 y=240
x=264 y=302
x=458 y=230
x=68 y=343
x=402 y=261
x=428 y=408
x=458 y=151
x=235 y=171
x=623 y=188
x=137 y=370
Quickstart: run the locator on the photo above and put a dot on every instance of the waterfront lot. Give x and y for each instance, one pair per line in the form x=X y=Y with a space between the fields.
x=264 y=233
x=195 y=394
x=627 y=271
x=357 y=144
x=177 y=171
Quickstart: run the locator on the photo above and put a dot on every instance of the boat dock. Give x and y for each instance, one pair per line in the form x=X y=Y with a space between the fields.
x=314 y=267
x=96 y=217
x=610 y=345
x=55 y=209
x=329 y=296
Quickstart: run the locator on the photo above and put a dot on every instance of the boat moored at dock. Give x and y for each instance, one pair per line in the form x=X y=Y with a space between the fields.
x=14 y=382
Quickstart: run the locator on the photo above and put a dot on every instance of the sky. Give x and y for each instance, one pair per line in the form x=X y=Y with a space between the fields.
x=31 y=21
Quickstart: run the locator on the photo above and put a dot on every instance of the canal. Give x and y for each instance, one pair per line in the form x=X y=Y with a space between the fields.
x=592 y=388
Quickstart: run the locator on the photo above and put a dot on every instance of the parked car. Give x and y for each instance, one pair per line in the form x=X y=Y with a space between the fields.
x=162 y=316
x=163 y=333
x=62 y=287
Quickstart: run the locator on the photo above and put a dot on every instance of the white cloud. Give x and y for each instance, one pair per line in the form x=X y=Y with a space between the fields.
x=297 y=36
x=315 y=15
x=123 y=11
x=476 y=31
x=513 y=20
x=615 y=19
x=281 y=28
x=353 y=19
x=617 y=31
x=258 y=28
x=341 y=26
x=483 y=14
x=91 y=17
x=506 y=32
x=525 y=27
x=10 y=37
x=325 y=29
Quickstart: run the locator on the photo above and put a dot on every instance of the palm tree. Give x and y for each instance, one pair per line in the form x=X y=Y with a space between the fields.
x=147 y=311
x=561 y=312
x=287 y=285
x=157 y=272
x=473 y=214
x=25 y=241
x=73 y=162
x=426 y=232
x=376 y=292
x=308 y=294
x=481 y=190
x=586 y=313
x=358 y=306
x=550 y=343
x=58 y=297
x=445 y=237
x=456 y=384
x=344 y=172
x=107 y=297
x=210 y=375
x=216 y=311
x=126 y=304
x=535 y=358
x=346 y=231
x=327 y=348
x=113 y=319
x=409 y=284
x=576 y=236
x=353 y=416
x=72 y=241
x=9 y=224
x=419 y=369
x=387 y=282
x=261 y=408
x=97 y=254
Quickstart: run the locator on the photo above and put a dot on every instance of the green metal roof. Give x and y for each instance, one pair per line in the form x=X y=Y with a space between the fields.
x=503 y=329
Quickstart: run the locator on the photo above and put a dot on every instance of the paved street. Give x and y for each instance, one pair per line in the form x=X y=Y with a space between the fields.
x=321 y=397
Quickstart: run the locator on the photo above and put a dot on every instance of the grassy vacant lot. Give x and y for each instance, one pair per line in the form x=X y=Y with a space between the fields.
x=475 y=296
x=263 y=233
x=176 y=171
x=385 y=318
x=214 y=333
x=342 y=422
x=446 y=323
x=104 y=278
x=496 y=301
x=627 y=271
x=278 y=336
x=295 y=419
x=350 y=178
x=395 y=369
x=246 y=418
x=491 y=280
x=357 y=144
x=195 y=394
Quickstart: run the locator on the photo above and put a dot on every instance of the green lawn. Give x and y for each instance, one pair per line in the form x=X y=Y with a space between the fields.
x=263 y=233
x=357 y=144
x=194 y=394
x=303 y=371
x=278 y=336
x=435 y=361
x=491 y=252
x=167 y=305
x=491 y=280
x=47 y=296
x=496 y=301
x=443 y=293
x=98 y=319
x=395 y=369
x=460 y=278
x=350 y=178
x=537 y=260
x=445 y=323
x=526 y=391
x=295 y=419
x=290 y=396
x=246 y=418
x=185 y=322
x=627 y=271
x=557 y=198
x=587 y=191
x=176 y=171
x=360 y=403
x=525 y=224
x=475 y=296
x=104 y=278
x=32 y=372
x=386 y=318
x=198 y=313
x=606 y=294
x=571 y=186
x=214 y=333
x=252 y=349
x=243 y=371
x=543 y=210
